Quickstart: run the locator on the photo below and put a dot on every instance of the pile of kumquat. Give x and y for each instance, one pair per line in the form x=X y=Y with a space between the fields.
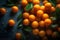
x=39 y=17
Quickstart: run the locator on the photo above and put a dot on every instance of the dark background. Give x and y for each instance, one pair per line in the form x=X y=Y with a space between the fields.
x=5 y=33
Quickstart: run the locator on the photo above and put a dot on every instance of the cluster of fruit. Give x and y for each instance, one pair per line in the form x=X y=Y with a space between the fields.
x=11 y=22
x=39 y=17
x=14 y=9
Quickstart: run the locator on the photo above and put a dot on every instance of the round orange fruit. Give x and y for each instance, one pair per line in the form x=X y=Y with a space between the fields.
x=35 y=31
x=26 y=22
x=25 y=15
x=18 y=35
x=42 y=8
x=36 y=7
x=35 y=24
x=36 y=1
x=11 y=22
x=41 y=23
x=44 y=2
x=40 y=13
x=45 y=16
x=58 y=5
x=14 y=9
x=31 y=17
x=42 y=33
x=3 y=10
x=53 y=9
x=24 y=2
x=48 y=22
x=48 y=6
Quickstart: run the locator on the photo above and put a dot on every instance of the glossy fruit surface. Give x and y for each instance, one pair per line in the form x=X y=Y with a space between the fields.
x=35 y=24
x=32 y=17
x=11 y=22
x=3 y=10
x=14 y=9
x=25 y=15
x=42 y=33
x=35 y=31
x=26 y=22
x=18 y=35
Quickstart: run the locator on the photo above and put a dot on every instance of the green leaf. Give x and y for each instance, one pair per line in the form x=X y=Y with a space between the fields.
x=53 y=2
x=20 y=22
x=29 y=7
x=23 y=37
x=53 y=18
x=58 y=13
x=20 y=16
x=54 y=25
x=20 y=26
x=10 y=5
x=28 y=29
x=9 y=2
x=57 y=10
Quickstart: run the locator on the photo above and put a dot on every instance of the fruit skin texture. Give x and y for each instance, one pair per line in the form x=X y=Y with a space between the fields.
x=35 y=24
x=14 y=9
x=42 y=8
x=36 y=7
x=53 y=9
x=44 y=2
x=48 y=22
x=58 y=5
x=32 y=18
x=25 y=15
x=40 y=13
x=11 y=22
x=3 y=10
x=18 y=35
x=45 y=16
x=42 y=33
x=24 y=2
x=41 y=23
x=36 y=1
x=26 y=22
x=35 y=31
x=48 y=6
